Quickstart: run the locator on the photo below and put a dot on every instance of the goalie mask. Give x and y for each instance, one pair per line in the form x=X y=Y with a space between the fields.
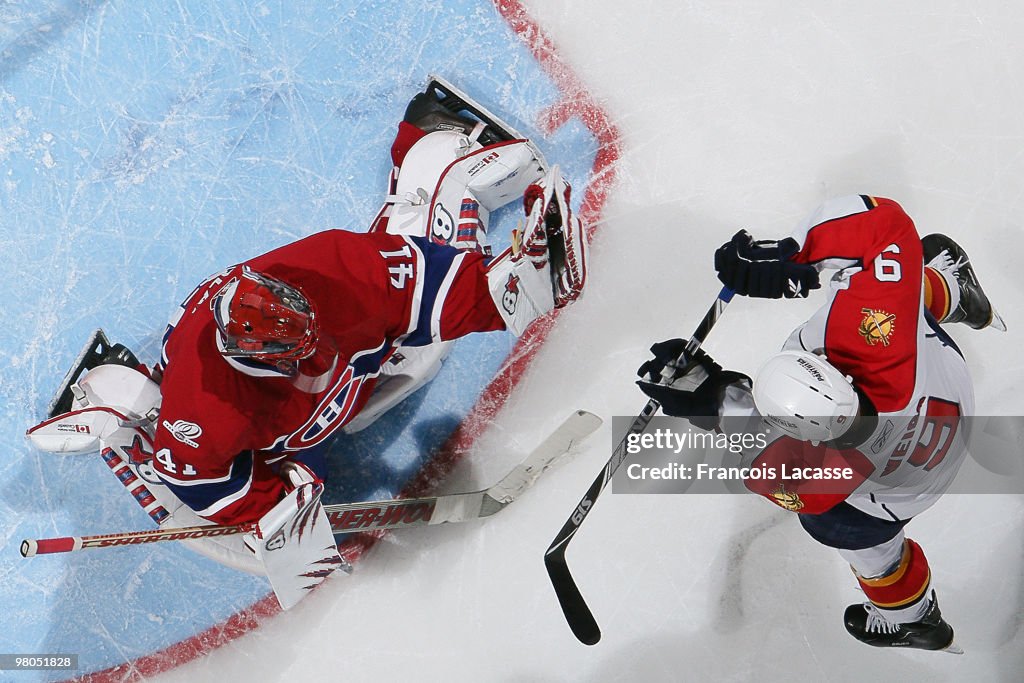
x=805 y=396
x=262 y=318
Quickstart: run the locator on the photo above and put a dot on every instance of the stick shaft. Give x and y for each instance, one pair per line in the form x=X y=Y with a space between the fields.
x=374 y=515
x=578 y=615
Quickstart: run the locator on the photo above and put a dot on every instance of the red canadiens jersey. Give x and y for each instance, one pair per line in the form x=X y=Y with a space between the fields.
x=874 y=328
x=223 y=420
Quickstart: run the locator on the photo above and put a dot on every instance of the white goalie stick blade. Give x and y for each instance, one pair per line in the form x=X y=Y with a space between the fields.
x=295 y=544
x=463 y=507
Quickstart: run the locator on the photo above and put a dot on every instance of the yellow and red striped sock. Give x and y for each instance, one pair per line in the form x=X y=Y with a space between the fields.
x=937 y=297
x=902 y=593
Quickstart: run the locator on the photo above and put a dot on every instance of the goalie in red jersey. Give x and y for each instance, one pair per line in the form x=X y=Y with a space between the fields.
x=268 y=360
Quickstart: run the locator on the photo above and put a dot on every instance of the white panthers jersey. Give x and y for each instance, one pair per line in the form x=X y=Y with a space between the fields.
x=874 y=328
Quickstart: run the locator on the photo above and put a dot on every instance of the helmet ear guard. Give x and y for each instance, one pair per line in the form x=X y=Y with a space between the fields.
x=805 y=396
x=262 y=318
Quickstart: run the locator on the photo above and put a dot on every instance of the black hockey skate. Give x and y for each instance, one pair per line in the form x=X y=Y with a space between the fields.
x=441 y=107
x=865 y=623
x=97 y=351
x=974 y=309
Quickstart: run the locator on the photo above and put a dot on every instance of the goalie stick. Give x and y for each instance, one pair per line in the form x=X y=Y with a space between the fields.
x=577 y=613
x=378 y=515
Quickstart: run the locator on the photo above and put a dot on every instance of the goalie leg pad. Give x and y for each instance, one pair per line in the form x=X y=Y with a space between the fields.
x=448 y=185
x=420 y=173
x=478 y=183
x=499 y=174
x=105 y=401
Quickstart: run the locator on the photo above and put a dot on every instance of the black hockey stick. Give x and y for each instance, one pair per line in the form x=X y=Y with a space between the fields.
x=577 y=614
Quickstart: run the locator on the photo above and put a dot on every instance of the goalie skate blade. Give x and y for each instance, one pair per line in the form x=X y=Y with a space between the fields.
x=997 y=321
x=459 y=101
x=452 y=95
x=89 y=357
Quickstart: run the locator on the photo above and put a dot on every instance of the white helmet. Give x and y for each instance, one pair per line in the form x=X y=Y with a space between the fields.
x=806 y=396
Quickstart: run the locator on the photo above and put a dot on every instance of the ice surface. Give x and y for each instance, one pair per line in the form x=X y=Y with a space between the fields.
x=730 y=115
x=143 y=148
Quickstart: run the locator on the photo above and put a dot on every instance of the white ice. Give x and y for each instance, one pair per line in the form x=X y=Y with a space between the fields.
x=731 y=114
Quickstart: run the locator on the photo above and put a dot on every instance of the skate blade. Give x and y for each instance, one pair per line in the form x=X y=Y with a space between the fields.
x=953 y=649
x=997 y=321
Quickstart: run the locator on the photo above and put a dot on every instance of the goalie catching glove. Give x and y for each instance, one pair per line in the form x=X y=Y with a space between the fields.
x=687 y=385
x=546 y=267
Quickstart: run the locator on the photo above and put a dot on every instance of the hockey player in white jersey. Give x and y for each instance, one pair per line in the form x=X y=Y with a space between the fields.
x=871 y=383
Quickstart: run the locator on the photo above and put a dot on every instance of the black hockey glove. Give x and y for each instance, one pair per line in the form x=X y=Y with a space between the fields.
x=763 y=269
x=692 y=388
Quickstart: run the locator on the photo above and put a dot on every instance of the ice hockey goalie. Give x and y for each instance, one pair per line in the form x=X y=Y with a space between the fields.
x=267 y=360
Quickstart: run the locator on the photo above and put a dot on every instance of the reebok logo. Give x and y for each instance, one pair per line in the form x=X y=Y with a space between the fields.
x=277 y=541
x=184 y=431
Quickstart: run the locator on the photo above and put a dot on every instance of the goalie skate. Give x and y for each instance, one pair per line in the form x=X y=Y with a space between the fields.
x=440 y=97
x=97 y=351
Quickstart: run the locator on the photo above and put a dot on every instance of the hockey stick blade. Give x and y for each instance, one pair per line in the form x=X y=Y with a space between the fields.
x=402 y=513
x=398 y=513
x=579 y=617
x=577 y=613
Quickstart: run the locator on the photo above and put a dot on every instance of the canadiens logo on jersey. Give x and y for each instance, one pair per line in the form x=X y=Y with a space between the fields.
x=877 y=326
x=334 y=410
x=787 y=499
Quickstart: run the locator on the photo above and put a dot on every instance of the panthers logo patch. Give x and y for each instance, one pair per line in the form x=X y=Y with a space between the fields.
x=877 y=326
x=787 y=499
